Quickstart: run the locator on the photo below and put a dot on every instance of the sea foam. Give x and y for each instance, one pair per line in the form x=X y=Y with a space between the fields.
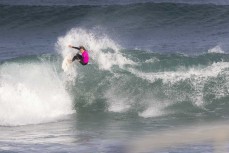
x=31 y=93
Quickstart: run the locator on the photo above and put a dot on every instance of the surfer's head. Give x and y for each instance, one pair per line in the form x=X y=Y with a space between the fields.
x=82 y=49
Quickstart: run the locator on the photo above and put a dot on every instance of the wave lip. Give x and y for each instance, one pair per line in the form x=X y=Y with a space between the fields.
x=216 y=49
x=196 y=78
x=103 y=50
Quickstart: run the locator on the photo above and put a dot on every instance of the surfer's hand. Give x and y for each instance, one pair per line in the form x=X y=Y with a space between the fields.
x=70 y=46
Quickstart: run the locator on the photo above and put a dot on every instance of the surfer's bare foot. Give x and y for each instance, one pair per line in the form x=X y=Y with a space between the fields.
x=69 y=61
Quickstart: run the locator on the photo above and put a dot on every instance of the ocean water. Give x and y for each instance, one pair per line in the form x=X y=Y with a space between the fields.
x=157 y=80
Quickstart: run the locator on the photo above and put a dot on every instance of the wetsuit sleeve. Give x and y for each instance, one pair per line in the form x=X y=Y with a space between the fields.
x=76 y=47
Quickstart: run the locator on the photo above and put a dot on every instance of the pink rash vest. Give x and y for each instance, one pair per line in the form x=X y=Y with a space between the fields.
x=85 y=57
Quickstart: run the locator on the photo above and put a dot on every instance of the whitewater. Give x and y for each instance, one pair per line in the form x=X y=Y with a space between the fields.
x=157 y=80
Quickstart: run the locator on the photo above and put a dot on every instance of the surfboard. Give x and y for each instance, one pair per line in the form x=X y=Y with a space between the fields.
x=66 y=64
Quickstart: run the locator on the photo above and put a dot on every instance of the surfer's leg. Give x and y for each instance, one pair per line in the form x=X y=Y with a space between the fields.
x=81 y=62
x=74 y=58
x=77 y=57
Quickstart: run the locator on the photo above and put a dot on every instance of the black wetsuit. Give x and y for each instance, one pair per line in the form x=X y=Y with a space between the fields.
x=78 y=57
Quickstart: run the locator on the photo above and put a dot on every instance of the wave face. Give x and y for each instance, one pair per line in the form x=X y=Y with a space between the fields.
x=144 y=83
x=34 y=89
x=148 y=59
x=158 y=27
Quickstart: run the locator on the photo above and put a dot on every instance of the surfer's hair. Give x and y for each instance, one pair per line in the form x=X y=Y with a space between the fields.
x=82 y=47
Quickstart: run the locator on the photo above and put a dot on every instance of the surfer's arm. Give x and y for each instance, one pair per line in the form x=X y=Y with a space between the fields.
x=73 y=47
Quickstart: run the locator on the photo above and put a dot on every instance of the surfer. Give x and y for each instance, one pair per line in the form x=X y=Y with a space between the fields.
x=83 y=59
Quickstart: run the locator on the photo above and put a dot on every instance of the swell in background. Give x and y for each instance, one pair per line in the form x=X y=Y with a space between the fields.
x=157 y=27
